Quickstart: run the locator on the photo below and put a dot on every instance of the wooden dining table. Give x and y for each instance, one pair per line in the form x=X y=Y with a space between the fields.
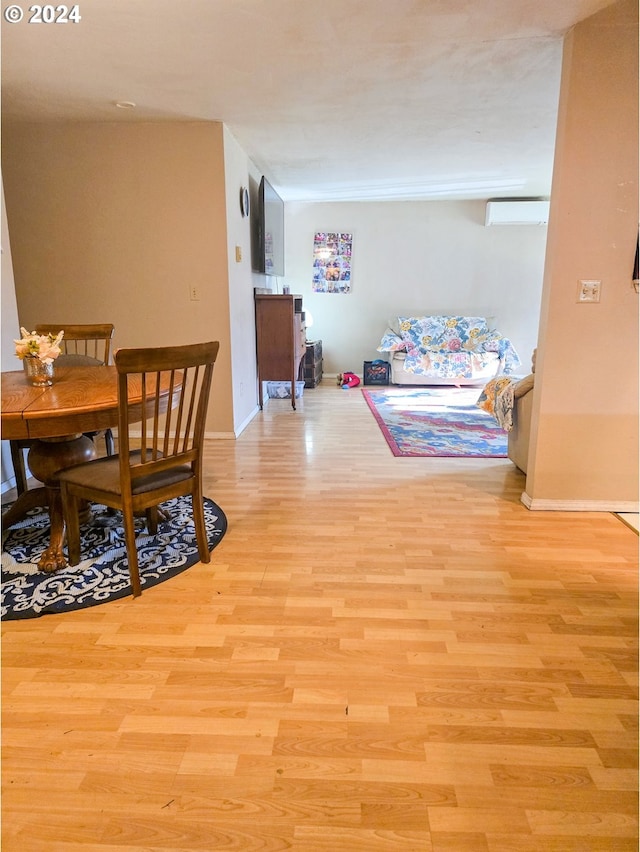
x=81 y=399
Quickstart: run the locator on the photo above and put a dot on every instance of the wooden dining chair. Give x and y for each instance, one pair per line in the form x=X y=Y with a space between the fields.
x=82 y=345
x=87 y=343
x=159 y=446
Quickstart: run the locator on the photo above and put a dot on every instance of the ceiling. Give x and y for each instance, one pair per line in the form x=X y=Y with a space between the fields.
x=339 y=100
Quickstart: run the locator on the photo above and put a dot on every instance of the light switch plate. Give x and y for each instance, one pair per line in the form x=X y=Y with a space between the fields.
x=589 y=290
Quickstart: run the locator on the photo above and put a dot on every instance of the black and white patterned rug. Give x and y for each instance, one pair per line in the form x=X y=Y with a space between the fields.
x=103 y=575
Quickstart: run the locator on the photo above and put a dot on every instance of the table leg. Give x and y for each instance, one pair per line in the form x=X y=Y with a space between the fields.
x=53 y=559
x=47 y=457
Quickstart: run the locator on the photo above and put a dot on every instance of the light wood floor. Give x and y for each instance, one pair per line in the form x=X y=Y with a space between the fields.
x=384 y=654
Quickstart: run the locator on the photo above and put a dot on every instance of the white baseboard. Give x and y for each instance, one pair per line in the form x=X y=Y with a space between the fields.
x=543 y=505
x=214 y=436
x=8 y=484
x=220 y=436
x=240 y=429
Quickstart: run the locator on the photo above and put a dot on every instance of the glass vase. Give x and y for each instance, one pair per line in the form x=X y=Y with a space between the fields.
x=38 y=373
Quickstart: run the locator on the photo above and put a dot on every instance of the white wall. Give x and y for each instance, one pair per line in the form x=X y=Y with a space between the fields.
x=10 y=331
x=238 y=173
x=416 y=258
x=10 y=327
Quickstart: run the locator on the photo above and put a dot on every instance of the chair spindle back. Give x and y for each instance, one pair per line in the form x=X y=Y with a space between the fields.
x=88 y=341
x=169 y=432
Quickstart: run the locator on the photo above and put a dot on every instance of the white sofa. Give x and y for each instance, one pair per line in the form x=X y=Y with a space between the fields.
x=518 y=437
x=446 y=350
x=510 y=401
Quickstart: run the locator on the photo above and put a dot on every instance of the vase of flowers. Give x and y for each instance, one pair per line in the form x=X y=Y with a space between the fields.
x=37 y=353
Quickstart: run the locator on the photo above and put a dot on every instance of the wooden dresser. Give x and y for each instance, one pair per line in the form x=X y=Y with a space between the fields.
x=280 y=340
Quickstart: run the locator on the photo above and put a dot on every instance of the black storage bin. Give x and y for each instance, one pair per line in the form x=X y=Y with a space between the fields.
x=376 y=372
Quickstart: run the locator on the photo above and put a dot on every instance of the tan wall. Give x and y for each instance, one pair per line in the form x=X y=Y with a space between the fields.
x=585 y=421
x=114 y=222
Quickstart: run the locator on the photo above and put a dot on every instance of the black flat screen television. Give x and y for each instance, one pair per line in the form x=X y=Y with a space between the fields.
x=268 y=256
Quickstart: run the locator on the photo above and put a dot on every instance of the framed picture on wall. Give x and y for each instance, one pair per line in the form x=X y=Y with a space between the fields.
x=332 y=262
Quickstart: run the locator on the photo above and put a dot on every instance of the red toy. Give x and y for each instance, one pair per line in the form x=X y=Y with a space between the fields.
x=348 y=380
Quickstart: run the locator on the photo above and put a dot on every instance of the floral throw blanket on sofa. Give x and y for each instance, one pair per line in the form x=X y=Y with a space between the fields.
x=448 y=344
x=497 y=399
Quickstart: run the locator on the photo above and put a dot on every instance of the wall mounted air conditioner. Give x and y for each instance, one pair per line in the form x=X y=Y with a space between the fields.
x=510 y=211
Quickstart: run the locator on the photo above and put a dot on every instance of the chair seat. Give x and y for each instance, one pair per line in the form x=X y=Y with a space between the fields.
x=104 y=474
x=174 y=383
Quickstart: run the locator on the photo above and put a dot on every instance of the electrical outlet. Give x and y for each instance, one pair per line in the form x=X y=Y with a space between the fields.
x=194 y=293
x=589 y=291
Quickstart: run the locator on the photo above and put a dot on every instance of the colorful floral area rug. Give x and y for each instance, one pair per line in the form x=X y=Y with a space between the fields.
x=436 y=421
x=103 y=575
